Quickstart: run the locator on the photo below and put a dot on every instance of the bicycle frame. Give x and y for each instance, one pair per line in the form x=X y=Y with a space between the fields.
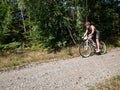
x=86 y=47
x=87 y=43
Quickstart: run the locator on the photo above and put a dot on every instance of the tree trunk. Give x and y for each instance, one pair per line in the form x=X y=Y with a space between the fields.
x=69 y=30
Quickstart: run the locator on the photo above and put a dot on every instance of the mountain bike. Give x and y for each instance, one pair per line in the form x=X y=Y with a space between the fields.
x=86 y=48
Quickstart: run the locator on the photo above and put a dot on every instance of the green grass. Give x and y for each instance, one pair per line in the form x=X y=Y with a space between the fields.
x=14 y=63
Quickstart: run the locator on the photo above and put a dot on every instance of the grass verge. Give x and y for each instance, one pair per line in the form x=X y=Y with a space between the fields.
x=28 y=56
x=109 y=84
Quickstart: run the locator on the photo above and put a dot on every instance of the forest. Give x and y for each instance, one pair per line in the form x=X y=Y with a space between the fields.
x=53 y=24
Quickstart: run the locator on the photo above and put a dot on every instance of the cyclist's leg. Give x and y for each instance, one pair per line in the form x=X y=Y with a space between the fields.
x=97 y=41
x=90 y=38
x=98 y=44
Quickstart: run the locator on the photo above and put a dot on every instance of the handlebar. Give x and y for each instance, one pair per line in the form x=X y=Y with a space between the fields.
x=85 y=37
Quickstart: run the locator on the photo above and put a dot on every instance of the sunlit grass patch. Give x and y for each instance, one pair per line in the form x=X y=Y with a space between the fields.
x=28 y=56
x=109 y=84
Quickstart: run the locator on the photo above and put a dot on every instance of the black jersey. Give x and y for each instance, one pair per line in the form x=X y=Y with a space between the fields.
x=95 y=34
x=90 y=30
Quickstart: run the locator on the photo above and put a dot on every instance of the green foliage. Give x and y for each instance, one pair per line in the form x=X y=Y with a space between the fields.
x=54 y=23
x=5 y=19
x=11 y=45
x=105 y=15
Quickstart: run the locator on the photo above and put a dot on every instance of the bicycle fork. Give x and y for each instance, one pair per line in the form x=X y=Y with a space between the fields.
x=86 y=45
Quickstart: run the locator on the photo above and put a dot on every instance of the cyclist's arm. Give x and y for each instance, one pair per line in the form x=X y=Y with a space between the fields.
x=93 y=29
x=85 y=33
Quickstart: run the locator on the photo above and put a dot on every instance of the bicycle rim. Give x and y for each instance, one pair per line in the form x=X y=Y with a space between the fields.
x=85 y=51
x=102 y=47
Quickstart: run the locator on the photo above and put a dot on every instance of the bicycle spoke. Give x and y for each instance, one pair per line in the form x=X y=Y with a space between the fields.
x=84 y=50
x=102 y=47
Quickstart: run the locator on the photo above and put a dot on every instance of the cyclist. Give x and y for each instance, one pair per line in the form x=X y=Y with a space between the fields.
x=91 y=32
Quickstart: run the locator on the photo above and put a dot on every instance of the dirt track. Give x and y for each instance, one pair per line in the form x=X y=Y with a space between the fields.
x=71 y=74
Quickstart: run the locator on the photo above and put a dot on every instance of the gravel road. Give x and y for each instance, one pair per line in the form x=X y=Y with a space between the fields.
x=70 y=74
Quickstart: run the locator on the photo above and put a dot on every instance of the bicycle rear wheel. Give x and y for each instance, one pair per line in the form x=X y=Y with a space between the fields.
x=84 y=50
x=103 y=47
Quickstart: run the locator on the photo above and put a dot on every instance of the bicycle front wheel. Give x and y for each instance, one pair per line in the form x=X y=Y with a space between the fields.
x=103 y=47
x=84 y=50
